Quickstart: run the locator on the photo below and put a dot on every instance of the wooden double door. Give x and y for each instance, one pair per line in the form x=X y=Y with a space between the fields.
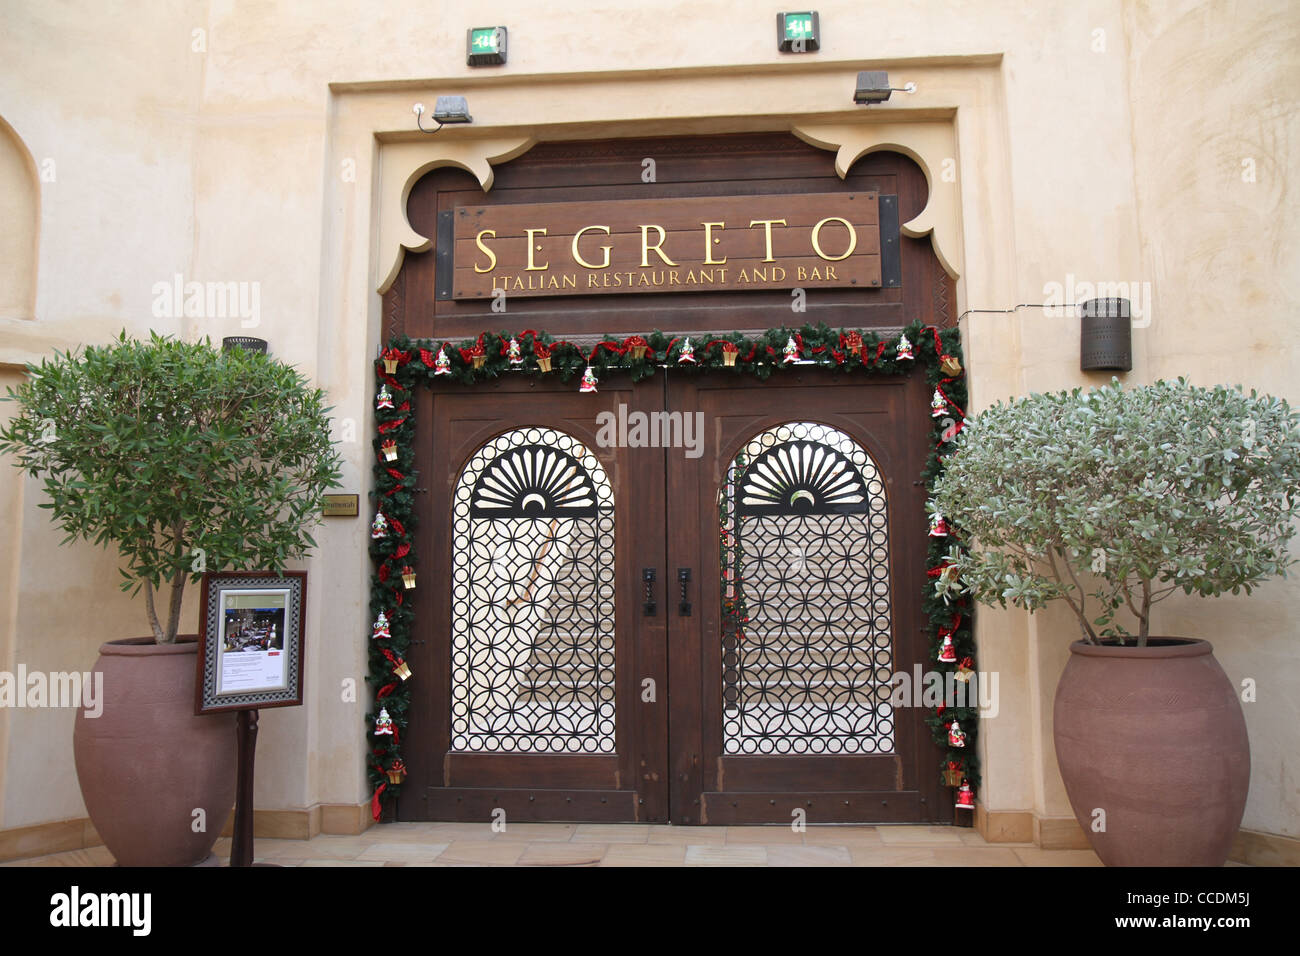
x=677 y=600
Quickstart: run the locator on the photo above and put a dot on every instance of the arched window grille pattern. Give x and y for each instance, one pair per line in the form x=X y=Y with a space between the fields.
x=807 y=648
x=532 y=599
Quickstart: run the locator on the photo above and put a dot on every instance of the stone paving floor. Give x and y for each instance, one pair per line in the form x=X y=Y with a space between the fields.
x=570 y=844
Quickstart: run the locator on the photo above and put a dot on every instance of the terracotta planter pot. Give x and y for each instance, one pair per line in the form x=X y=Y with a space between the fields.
x=1155 y=737
x=147 y=763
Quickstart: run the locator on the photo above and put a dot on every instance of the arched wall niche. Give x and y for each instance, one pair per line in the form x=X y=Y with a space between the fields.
x=20 y=209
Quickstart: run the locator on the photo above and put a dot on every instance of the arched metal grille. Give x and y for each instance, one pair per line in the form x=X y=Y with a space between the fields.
x=532 y=611
x=807 y=648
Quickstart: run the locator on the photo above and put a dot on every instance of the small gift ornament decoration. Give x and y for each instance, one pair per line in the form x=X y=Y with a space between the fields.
x=408 y=577
x=390 y=450
x=383 y=723
x=687 y=354
x=543 y=354
x=513 y=353
x=938 y=405
x=380 y=628
x=947 y=652
x=636 y=347
x=938 y=526
x=442 y=364
x=589 y=381
x=402 y=670
x=904 y=353
x=791 y=351
x=384 y=399
x=379 y=527
x=391 y=358
x=965 y=797
x=397 y=772
x=853 y=343
x=950 y=365
x=952 y=774
x=965 y=670
x=729 y=353
x=956 y=736
x=477 y=355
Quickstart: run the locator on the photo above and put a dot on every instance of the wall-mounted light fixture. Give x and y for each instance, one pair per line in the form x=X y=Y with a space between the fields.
x=798 y=32
x=1105 y=335
x=447 y=110
x=873 y=87
x=485 y=46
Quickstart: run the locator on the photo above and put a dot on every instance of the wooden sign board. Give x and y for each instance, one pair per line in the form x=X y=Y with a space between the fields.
x=704 y=244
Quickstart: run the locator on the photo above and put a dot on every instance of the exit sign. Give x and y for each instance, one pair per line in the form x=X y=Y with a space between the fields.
x=798 y=32
x=486 y=46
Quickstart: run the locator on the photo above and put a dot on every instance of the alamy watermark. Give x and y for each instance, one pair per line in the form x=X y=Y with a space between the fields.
x=1060 y=299
x=208 y=300
x=637 y=429
x=54 y=689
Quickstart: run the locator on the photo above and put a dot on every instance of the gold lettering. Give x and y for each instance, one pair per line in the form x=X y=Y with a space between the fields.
x=591 y=281
x=767 y=230
x=706 y=276
x=533 y=247
x=492 y=256
x=830 y=273
x=853 y=239
x=657 y=247
x=672 y=277
x=778 y=273
x=709 y=243
x=570 y=281
x=577 y=257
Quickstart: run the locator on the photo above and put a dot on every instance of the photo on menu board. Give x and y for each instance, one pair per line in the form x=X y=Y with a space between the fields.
x=252 y=656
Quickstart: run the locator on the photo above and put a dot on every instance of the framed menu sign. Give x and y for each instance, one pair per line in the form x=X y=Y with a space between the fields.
x=251 y=640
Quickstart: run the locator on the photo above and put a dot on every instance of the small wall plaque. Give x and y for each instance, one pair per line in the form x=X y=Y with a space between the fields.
x=341 y=506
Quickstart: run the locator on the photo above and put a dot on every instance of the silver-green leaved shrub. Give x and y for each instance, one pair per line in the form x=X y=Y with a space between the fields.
x=1120 y=497
x=184 y=457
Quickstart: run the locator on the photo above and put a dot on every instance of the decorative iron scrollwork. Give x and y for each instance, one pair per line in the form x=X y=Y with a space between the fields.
x=807 y=649
x=533 y=598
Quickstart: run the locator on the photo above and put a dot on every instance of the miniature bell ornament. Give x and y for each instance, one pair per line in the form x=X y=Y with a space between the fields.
x=384 y=399
x=950 y=365
x=729 y=353
x=514 y=354
x=379 y=527
x=408 y=577
x=389 y=448
x=904 y=353
x=791 y=351
x=402 y=670
x=687 y=354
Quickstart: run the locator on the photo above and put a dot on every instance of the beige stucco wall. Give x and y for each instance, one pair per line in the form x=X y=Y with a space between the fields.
x=250 y=143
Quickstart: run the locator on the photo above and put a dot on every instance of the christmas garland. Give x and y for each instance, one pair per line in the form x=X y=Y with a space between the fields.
x=405 y=364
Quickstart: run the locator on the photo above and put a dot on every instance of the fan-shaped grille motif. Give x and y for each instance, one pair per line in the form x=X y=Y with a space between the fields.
x=802 y=477
x=532 y=610
x=807 y=649
x=533 y=481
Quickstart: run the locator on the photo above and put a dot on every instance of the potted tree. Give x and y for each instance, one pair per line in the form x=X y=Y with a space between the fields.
x=187 y=459
x=1112 y=501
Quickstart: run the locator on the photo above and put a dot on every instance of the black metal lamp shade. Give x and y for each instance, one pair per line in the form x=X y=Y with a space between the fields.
x=1105 y=335
x=246 y=342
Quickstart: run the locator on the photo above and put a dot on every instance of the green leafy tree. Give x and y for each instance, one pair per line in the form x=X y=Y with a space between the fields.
x=1122 y=496
x=187 y=458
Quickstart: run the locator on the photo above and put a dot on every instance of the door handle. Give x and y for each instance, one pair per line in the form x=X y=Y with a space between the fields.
x=684 y=605
x=648 y=592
